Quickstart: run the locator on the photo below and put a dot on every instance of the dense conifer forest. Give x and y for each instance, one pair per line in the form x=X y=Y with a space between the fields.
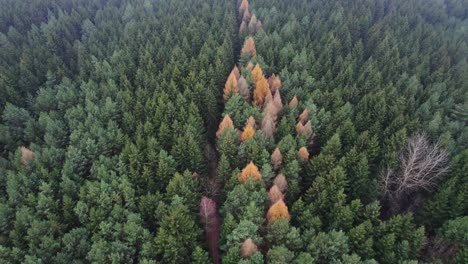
x=233 y=131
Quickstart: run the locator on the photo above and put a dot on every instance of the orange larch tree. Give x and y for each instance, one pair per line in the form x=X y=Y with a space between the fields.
x=261 y=91
x=278 y=211
x=226 y=123
x=248 y=132
x=293 y=102
x=250 y=172
x=236 y=72
x=257 y=74
x=230 y=87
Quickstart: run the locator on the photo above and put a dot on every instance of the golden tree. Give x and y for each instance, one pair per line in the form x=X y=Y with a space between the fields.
x=257 y=74
x=248 y=248
x=226 y=123
x=303 y=154
x=281 y=182
x=261 y=91
x=230 y=87
x=249 y=132
x=274 y=194
x=250 y=172
x=279 y=210
x=276 y=159
x=249 y=47
x=293 y=102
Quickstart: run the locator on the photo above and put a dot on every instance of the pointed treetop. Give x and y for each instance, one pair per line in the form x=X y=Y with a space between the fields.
x=230 y=87
x=235 y=71
x=248 y=248
x=303 y=154
x=243 y=88
x=253 y=25
x=257 y=74
x=278 y=102
x=276 y=159
x=226 y=123
x=275 y=84
x=242 y=28
x=243 y=6
x=246 y=16
x=304 y=117
x=249 y=47
x=261 y=91
x=250 y=172
x=249 y=132
x=268 y=126
x=278 y=211
x=293 y=102
x=259 y=25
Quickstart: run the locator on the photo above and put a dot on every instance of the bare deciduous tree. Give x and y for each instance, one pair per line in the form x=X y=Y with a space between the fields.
x=421 y=166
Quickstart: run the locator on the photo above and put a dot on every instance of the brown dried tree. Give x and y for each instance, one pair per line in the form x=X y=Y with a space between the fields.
x=276 y=159
x=26 y=155
x=303 y=154
x=268 y=125
x=281 y=182
x=243 y=88
x=248 y=248
x=253 y=25
x=293 y=102
x=274 y=194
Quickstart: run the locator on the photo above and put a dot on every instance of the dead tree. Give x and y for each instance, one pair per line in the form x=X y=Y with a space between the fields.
x=421 y=166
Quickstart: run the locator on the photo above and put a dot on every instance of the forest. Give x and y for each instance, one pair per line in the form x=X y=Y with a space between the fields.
x=233 y=131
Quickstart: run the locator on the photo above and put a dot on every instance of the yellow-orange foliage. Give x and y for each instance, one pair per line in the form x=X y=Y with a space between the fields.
x=276 y=159
x=304 y=116
x=249 y=132
x=257 y=74
x=278 y=211
x=293 y=102
x=274 y=194
x=261 y=91
x=230 y=87
x=248 y=248
x=243 y=6
x=26 y=155
x=236 y=72
x=303 y=154
x=249 y=47
x=281 y=182
x=250 y=172
x=226 y=123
